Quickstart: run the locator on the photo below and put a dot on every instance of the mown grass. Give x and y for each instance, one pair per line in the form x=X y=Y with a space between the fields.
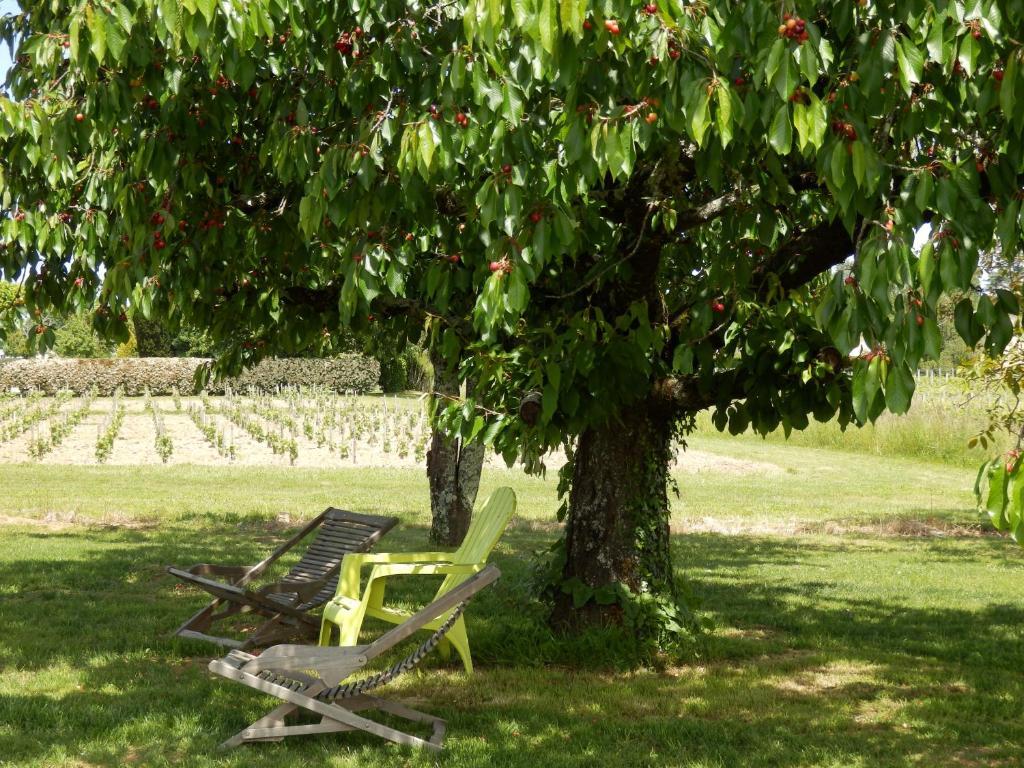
x=941 y=421
x=835 y=642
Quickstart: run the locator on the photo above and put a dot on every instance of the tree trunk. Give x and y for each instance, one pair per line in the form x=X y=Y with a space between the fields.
x=617 y=529
x=453 y=469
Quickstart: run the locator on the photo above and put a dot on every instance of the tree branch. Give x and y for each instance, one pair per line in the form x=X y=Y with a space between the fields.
x=810 y=254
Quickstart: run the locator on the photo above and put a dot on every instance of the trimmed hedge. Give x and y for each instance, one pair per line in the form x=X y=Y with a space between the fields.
x=163 y=374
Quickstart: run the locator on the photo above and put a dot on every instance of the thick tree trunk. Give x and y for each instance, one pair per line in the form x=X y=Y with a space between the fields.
x=617 y=530
x=453 y=469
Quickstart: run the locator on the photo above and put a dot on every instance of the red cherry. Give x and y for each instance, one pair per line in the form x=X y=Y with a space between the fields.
x=79 y=117
x=738 y=80
x=153 y=104
x=79 y=282
x=673 y=53
x=612 y=26
x=495 y=266
x=587 y=25
x=454 y=258
x=997 y=75
x=650 y=9
x=717 y=306
x=536 y=216
x=506 y=169
x=40 y=330
x=851 y=281
x=920 y=320
x=652 y=118
x=370 y=318
x=409 y=237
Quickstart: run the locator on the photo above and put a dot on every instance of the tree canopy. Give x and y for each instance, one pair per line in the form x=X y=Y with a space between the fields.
x=609 y=204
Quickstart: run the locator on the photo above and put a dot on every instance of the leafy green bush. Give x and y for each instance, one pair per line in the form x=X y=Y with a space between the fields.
x=76 y=338
x=162 y=375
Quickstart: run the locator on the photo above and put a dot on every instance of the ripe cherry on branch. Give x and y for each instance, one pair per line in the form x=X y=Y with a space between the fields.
x=504 y=266
x=794 y=28
x=612 y=26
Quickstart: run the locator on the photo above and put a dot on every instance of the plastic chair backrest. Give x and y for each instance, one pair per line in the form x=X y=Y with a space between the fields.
x=485 y=529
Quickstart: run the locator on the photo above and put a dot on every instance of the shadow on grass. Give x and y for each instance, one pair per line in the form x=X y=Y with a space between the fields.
x=803 y=670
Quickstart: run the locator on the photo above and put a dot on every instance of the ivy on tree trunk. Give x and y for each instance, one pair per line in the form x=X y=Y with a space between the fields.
x=617 y=529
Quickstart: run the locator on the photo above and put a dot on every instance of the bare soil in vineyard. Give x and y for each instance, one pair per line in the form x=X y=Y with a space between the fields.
x=136 y=442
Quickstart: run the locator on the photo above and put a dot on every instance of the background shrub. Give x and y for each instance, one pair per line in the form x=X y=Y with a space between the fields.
x=163 y=374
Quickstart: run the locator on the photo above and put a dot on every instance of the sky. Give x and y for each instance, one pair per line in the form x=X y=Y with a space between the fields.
x=6 y=6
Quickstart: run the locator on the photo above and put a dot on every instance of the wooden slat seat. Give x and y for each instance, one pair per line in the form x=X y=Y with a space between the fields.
x=285 y=602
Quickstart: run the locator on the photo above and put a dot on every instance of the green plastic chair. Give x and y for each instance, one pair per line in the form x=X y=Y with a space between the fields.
x=348 y=608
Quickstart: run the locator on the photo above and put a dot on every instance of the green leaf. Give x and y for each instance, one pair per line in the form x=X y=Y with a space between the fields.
x=781 y=134
x=700 y=117
x=573 y=13
x=995 y=502
x=1008 y=87
x=963 y=320
x=936 y=39
x=910 y=61
x=899 y=389
x=859 y=162
x=548 y=21
x=723 y=115
x=94 y=20
x=968 y=54
x=169 y=14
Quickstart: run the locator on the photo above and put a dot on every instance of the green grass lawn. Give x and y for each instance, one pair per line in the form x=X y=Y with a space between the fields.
x=839 y=639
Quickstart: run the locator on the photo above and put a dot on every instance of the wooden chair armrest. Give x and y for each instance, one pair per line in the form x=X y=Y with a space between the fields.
x=229 y=571
x=332 y=664
x=306 y=590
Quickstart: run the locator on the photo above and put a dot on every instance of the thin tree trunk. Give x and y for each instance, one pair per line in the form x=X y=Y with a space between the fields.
x=453 y=469
x=617 y=529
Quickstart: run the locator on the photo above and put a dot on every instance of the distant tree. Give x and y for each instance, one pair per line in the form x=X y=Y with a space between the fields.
x=75 y=337
x=13 y=340
x=152 y=338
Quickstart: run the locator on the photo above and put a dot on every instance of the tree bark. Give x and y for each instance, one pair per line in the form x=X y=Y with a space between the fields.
x=617 y=529
x=453 y=469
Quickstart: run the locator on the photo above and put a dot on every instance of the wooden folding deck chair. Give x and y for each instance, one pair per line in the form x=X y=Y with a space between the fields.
x=286 y=602
x=311 y=679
